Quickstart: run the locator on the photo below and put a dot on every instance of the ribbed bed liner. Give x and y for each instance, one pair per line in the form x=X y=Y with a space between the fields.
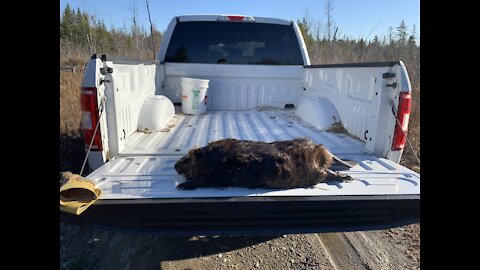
x=145 y=169
x=267 y=124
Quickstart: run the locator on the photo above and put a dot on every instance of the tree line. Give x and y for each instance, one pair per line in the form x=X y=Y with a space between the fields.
x=330 y=49
x=82 y=34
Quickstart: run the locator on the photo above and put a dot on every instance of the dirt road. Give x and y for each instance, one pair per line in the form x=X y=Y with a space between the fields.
x=86 y=248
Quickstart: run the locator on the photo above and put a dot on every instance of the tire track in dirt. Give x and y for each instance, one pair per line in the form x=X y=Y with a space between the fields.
x=340 y=252
x=396 y=248
x=377 y=249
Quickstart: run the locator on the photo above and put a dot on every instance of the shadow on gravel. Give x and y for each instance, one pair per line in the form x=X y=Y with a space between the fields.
x=88 y=248
x=72 y=153
x=194 y=247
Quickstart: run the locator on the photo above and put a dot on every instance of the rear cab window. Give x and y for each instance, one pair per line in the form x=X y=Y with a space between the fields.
x=234 y=43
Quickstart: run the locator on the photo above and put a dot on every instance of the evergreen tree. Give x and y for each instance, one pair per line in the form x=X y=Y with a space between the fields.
x=411 y=40
x=307 y=36
x=67 y=23
x=402 y=33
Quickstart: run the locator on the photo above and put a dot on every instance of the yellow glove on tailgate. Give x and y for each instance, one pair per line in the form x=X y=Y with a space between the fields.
x=77 y=193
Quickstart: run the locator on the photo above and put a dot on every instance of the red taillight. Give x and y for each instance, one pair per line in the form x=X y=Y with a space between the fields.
x=235 y=18
x=89 y=107
x=403 y=114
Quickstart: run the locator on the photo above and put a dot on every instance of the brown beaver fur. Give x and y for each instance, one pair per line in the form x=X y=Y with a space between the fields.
x=241 y=163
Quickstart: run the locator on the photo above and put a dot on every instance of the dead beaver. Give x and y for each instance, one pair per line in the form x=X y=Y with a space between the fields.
x=241 y=163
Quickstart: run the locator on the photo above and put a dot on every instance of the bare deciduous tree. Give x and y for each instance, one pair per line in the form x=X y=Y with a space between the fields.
x=134 y=10
x=329 y=12
x=151 y=28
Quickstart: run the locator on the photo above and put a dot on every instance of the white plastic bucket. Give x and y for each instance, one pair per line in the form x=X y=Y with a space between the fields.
x=194 y=95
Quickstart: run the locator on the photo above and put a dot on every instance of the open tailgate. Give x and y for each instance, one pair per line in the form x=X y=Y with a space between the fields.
x=139 y=195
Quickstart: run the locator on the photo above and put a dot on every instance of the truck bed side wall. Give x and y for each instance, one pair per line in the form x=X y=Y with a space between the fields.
x=130 y=84
x=362 y=99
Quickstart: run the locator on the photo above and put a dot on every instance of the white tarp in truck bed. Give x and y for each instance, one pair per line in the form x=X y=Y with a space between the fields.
x=146 y=168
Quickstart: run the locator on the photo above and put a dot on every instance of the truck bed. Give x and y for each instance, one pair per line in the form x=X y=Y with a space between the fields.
x=268 y=124
x=145 y=169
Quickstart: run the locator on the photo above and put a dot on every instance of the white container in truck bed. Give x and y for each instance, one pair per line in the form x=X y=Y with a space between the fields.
x=145 y=169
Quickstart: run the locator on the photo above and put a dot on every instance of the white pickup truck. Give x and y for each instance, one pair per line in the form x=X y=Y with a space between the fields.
x=262 y=87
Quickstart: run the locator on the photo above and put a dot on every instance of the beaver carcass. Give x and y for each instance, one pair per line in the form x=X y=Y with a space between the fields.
x=251 y=164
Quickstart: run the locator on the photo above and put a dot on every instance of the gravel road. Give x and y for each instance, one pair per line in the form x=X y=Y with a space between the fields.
x=87 y=248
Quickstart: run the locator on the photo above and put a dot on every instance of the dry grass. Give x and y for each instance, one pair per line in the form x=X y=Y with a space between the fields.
x=338 y=127
x=70 y=116
x=72 y=150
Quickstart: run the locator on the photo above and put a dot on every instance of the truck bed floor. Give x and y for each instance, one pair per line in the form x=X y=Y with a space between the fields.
x=268 y=125
x=145 y=168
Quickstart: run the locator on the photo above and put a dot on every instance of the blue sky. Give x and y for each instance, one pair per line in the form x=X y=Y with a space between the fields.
x=355 y=18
